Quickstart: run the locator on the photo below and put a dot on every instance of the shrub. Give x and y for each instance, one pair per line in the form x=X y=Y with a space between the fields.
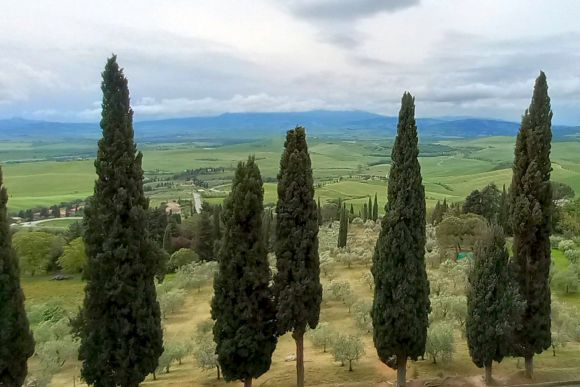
x=440 y=342
x=566 y=245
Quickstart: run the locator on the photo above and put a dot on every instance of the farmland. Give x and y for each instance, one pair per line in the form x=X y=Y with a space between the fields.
x=351 y=170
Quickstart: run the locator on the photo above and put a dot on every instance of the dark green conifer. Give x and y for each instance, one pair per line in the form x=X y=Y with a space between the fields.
x=217 y=229
x=504 y=217
x=370 y=209
x=365 y=214
x=16 y=342
x=343 y=228
x=351 y=210
x=297 y=288
x=119 y=325
x=375 y=209
x=494 y=306
x=437 y=214
x=319 y=212
x=531 y=213
x=242 y=306
x=401 y=298
x=204 y=238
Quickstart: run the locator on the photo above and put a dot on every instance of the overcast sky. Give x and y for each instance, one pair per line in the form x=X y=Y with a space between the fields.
x=205 y=57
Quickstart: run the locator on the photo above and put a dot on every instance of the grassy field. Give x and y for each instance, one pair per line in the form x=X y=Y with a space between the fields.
x=453 y=169
x=321 y=369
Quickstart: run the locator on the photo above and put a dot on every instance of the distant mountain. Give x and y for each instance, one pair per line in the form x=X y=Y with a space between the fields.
x=248 y=126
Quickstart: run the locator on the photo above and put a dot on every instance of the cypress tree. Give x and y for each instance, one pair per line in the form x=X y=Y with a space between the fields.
x=343 y=229
x=365 y=212
x=503 y=218
x=436 y=214
x=375 y=209
x=445 y=207
x=401 y=298
x=319 y=212
x=16 y=342
x=204 y=238
x=297 y=288
x=531 y=213
x=371 y=209
x=217 y=230
x=242 y=306
x=119 y=324
x=493 y=303
x=351 y=210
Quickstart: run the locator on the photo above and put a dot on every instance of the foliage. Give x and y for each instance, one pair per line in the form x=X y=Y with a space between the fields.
x=531 y=216
x=194 y=275
x=16 y=342
x=343 y=230
x=204 y=239
x=401 y=298
x=486 y=203
x=347 y=348
x=74 y=257
x=566 y=281
x=440 y=342
x=322 y=336
x=242 y=307
x=181 y=258
x=170 y=299
x=297 y=289
x=362 y=316
x=204 y=353
x=460 y=232
x=494 y=304
x=34 y=248
x=120 y=322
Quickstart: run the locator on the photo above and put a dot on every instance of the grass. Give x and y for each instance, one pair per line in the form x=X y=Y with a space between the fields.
x=451 y=175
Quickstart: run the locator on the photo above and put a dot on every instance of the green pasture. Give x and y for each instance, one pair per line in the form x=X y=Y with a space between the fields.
x=453 y=169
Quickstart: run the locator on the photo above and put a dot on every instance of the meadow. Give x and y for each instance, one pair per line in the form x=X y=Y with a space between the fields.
x=351 y=170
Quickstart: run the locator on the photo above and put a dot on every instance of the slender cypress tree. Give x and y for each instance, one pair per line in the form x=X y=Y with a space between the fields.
x=371 y=209
x=319 y=212
x=204 y=238
x=119 y=324
x=242 y=306
x=436 y=213
x=217 y=229
x=493 y=303
x=351 y=210
x=375 y=209
x=343 y=229
x=16 y=342
x=365 y=212
x=503 y=218
x=297 y=288
x=401 y=299
x=531 y=213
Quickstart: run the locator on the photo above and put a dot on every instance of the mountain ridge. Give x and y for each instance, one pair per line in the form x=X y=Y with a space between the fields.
x=321 y=123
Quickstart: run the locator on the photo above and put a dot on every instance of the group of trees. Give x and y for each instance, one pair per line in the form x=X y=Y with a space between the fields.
x=119 y=327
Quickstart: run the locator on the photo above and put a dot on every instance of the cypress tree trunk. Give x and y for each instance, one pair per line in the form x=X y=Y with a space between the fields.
x=529 y=362
x=248 y=382
x=299 y=338
x=401 y=370
x=488 y=378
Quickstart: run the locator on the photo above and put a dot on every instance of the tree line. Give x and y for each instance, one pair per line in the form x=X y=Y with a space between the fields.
x=119 y=324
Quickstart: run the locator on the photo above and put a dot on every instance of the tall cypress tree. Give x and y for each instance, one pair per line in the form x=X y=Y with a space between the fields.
x=493 y=303
x=375 y=209
x=297 y=287
x=365 y=212
x=319 y=212
x=351 y=210
x=531 y=213
x=401 y=299
x=242 y=306
x=503 y=218
x=204 y=238
x=371 y=209
x=343 y=228
x=16 y=342
x=119 y=325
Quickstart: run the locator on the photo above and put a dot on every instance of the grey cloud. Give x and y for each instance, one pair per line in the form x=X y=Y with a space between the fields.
x=336 y=10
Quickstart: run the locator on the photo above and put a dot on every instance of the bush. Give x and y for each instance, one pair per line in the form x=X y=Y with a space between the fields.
x=182 y=257
x=573 y=256
x=566 y=245
x=555 y=241
x=362 y=316
x=74 y=258
x=440 y=342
